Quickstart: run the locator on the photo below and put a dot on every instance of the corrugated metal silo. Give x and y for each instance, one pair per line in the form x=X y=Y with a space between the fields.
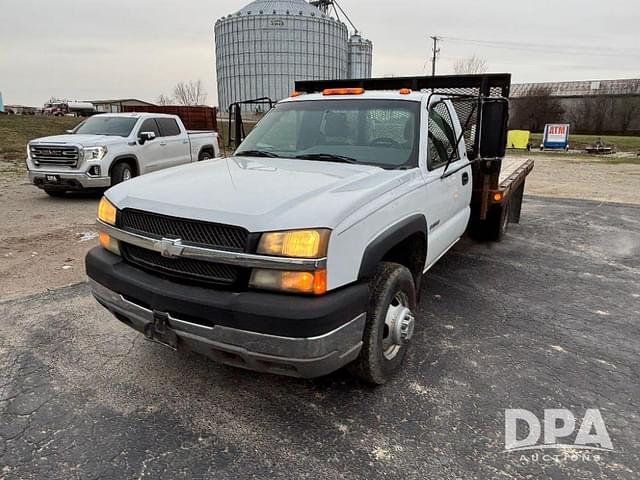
x=262 y=49
x=360 y=57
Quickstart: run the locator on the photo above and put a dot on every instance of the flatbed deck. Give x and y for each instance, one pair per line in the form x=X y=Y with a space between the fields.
x=511 y=166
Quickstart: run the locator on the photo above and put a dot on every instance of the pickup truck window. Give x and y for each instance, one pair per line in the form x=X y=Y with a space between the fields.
x=111 y=126
x=150 y=125
x=168 y=126
x=383 y=133
x=442 y=137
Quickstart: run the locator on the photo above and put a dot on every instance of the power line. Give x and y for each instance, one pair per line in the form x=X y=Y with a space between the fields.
x=548 y=49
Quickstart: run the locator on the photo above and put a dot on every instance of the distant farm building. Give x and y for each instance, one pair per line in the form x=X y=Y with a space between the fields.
x=116 y=106
x=597 y=107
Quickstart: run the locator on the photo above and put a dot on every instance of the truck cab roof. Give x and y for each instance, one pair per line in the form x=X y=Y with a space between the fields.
x=368 y=94
x=136 y=115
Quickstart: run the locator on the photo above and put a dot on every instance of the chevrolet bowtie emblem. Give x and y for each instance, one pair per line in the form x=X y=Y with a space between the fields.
x=169 y=248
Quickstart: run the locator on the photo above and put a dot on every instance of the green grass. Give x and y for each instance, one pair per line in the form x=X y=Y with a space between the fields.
x=617 y=159
x=17 y=130
x=580 y=142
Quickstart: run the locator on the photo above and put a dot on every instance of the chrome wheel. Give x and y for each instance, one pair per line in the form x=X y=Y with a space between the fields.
x=399 y=325
x=126 y=175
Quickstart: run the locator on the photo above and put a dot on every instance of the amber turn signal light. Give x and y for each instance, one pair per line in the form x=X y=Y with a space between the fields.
x=310 y=283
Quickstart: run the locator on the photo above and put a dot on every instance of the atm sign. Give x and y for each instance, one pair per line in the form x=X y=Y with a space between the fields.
x=558 y=130
x=556 y=135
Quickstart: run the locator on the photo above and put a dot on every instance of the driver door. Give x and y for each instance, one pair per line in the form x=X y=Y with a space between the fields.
x=449 y=188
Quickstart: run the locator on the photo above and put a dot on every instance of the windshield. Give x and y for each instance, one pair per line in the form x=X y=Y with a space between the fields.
x=111 y=126
x=383 y=133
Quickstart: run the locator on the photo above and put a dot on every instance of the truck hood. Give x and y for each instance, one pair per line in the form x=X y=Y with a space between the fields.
x=84 y=140
x=259 y=194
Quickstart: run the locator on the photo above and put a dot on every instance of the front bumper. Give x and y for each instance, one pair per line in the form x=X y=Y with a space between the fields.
x=288 y=335
x=67 y=180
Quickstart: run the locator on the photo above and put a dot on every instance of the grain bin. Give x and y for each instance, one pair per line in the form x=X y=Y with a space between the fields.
x=262 y=49
x=360 y=57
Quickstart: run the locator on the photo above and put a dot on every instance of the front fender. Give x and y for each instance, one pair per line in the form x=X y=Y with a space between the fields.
x=383 y=243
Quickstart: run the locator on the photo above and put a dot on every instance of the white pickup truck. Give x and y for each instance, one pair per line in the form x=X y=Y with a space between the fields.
x=304 y=251
x=108 y=149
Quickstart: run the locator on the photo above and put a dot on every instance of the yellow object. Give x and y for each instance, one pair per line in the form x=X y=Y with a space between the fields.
x=109 y=243
x=343 y=91
x=518 y=139
x=296 y=282
x=497 y=197
x=296 y=243
x=107 y=212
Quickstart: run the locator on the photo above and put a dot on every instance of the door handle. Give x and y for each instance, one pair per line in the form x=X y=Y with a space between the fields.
x=164 y=144
x=465 y=178
x=185 y=141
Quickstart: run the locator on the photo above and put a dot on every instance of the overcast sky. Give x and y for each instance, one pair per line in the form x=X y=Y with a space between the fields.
x=98 y=49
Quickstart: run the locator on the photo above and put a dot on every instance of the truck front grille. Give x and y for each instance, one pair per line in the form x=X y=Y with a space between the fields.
x=203 y=234
x=182 y=268
x=54 y=155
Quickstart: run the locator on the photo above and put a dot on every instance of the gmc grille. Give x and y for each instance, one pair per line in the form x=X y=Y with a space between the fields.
x=54 y=155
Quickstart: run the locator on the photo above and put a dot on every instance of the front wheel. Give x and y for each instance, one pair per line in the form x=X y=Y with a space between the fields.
x=390 y=324
x=121 y=173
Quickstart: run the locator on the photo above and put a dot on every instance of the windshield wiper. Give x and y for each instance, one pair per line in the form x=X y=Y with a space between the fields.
x=256 y=153
x=327 y=156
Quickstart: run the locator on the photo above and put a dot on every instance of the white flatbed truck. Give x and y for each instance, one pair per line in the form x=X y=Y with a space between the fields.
x=304 y=251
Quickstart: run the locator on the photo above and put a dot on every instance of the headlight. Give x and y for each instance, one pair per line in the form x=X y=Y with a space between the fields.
x=106 y=212
x=312 y=283
x=94 y=153
x=295 y=243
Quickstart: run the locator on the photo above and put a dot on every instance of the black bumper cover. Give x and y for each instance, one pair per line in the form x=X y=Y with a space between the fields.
x=261 y=312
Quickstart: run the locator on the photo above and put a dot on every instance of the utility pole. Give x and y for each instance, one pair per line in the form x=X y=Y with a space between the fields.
x=436 y=51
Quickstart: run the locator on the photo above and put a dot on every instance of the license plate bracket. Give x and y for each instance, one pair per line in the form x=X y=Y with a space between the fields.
x=161 y=332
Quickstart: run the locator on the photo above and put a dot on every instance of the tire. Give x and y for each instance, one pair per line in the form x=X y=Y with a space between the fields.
x=121 y=172
x=392 y=299
x=55 y=193
x=205 y=156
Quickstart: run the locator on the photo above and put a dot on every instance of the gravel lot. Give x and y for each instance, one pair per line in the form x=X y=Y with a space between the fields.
x=546 y=319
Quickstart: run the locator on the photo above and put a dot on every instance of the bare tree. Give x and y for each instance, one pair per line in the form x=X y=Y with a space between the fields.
x=470 y=65
x=535 y=110
x=164 y=100
x=629 y=110
x=191 y=93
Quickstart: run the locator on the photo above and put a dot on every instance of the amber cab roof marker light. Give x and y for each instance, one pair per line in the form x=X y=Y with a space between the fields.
x=405 y=91
x=343 y=91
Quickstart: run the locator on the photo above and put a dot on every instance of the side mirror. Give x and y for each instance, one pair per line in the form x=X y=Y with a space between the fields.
x=69 y=131
x=145 y=137
x=494 y=117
